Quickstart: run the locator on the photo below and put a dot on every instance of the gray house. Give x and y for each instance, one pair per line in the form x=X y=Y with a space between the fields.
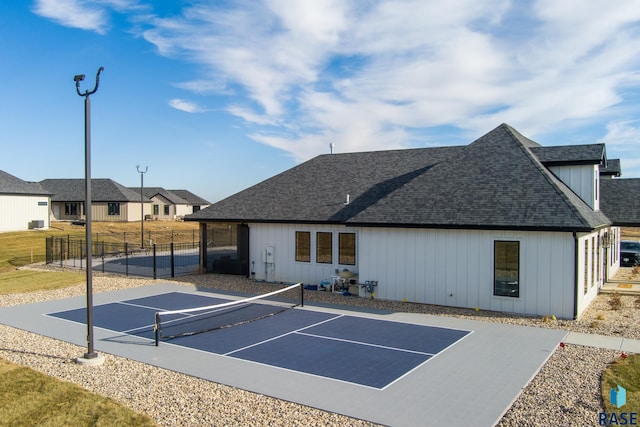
x=23 y=205
x=111 y=201
x=501 y=224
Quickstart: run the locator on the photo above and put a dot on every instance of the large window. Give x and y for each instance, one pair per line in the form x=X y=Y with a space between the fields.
x=347 y=248
x=113 y=209
x=324 y=252
x=506 y=268
x=71 y=209
x=166 y=209
x=303 y=246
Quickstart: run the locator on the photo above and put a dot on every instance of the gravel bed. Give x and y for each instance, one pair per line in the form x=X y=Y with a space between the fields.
x=566 y=391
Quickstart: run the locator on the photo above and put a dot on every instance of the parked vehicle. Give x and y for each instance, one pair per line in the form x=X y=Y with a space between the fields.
x=629 y=253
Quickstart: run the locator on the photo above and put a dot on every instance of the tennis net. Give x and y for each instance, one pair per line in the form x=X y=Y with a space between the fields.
x=191 y=321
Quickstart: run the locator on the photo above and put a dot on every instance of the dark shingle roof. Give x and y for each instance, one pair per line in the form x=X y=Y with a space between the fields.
x=150 y=192
x=620 y=201
x=10 y=184
x=591 y=154
x=102 y=190
x=191 y=198
x=612 y=168
x=496 y=182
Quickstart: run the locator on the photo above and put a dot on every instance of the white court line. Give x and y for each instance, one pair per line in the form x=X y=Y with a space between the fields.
x=366 y=344
x=284 y=335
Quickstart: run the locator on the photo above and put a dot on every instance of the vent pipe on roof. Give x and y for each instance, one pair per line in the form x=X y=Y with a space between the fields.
x=348 y=199
x=331 y=147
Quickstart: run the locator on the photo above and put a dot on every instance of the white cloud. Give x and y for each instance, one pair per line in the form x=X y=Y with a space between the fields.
x=623 y=135
x=372 y=75
x=186 y=106
x=74 y=13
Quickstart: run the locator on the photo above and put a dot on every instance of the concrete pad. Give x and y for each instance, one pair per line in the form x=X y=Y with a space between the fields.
x=471 y=383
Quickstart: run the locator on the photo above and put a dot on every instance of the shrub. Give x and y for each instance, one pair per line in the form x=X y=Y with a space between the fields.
x=615 y=301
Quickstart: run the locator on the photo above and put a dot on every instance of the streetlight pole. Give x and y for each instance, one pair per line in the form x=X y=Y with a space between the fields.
x=91 y=356
x=146 y=168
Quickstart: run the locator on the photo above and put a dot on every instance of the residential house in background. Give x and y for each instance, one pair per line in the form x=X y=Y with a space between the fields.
x=501 y=224
x=111 y=201
x=23 y=205
x=191 y=202
x=163 y=203
x=171 y=204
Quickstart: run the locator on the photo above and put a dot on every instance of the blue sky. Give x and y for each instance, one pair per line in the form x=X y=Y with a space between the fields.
x=215 y=96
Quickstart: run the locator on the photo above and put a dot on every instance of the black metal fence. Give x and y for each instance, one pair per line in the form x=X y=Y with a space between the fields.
x=156 y=260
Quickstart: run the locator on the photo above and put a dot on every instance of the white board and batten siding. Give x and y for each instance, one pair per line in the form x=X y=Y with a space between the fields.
x=598 y=259
x=282 y=266
x=455 y=268
x=444 y=267
x=17 y=211
x=584 y=180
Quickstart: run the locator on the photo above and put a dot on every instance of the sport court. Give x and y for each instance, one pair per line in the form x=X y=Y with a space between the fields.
x=389 y=368
x=334 y=346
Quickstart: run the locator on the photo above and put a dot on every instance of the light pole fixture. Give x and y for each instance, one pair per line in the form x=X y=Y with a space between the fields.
x=91 y=356
x=142 y=172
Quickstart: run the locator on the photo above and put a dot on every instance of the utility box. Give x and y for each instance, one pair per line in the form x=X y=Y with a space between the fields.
x=269 y=254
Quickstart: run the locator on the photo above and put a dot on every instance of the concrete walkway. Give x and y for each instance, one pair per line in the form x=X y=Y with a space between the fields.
x=602 y=341
x=623 y=287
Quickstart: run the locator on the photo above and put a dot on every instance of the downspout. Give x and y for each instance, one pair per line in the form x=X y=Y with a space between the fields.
x=576 y=288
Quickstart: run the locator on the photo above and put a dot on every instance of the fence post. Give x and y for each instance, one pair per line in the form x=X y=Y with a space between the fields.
x=173 y=269
x=102 y=255
x=81 y=255
x=61 y=251
x=155 y=274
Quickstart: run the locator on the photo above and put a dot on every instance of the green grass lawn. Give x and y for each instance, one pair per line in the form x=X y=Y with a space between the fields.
x=626 y=373
x=19 y=281
x=29 y=398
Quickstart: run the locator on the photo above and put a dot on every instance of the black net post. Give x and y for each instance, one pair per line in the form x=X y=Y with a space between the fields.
x=173 y=263
x=126 y=258
x=155 y=271
x=156 y=328
x=301 y=294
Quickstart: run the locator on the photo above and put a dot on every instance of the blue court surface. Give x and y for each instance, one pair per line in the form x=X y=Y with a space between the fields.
x=390 y=368
x=334 y=346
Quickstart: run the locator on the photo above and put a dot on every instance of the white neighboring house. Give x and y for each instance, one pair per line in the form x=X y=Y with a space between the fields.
x=501 y=224
x=190 y=203
x=170 y=204
x=23 y=205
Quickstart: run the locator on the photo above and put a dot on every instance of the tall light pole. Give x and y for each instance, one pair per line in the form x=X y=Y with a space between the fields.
x=146 y=168
x=90 y=357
